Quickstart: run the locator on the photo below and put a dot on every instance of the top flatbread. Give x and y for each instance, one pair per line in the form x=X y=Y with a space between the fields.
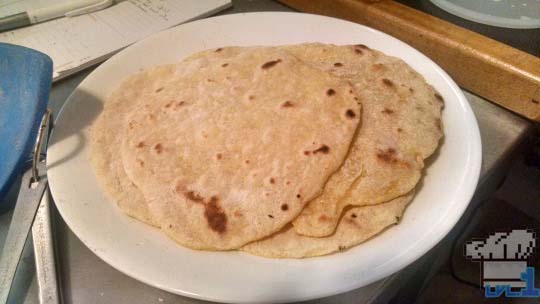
x=231 y=152
x=401 y=126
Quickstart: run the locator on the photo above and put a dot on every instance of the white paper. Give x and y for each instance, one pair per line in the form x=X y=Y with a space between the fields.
x=77 y=42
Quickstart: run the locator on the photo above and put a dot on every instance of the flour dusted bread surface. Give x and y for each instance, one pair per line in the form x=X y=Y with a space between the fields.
x=401 y=126
x=232 y=152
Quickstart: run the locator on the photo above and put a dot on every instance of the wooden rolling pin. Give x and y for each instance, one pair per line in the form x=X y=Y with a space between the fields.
x=491 y=69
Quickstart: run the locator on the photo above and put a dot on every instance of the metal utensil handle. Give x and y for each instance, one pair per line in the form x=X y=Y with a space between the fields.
x=44 y=128
x=42 y=235
x=30 y=194
x=21 y=222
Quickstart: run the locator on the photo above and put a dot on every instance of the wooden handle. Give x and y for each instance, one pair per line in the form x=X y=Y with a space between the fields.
x=493 y=70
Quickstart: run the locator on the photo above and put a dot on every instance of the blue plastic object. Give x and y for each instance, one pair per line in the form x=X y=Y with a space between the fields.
x=25 y=83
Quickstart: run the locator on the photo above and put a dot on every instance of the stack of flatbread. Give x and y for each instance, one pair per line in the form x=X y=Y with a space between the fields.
x=286 y=152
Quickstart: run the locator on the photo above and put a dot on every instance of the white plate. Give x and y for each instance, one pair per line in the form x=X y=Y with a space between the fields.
x=147 y=255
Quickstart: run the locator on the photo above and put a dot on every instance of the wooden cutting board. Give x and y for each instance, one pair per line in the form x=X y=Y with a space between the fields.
x=491 y=69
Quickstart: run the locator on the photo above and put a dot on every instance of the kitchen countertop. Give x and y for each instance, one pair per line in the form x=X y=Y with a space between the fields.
x=87 y=279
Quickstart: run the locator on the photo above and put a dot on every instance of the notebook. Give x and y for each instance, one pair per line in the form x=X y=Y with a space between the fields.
x=79 y=42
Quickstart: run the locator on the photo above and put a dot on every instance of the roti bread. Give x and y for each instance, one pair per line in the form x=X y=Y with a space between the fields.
x=383 y=164
x=107 y=131
x=358 y=225
x=401 y=126
x=106 y=138
x=232 y=151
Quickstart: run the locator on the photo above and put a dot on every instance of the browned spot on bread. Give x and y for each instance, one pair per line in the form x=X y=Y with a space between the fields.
x=387 y=82
x=535 y=101
x=140 y=144
x=351 y=92
x=179 y=104
x=130 y=125
x=350 y=114
x=298 y=195
x=247 y=161
x=272 y=180
x=284 y=207
x=338 y=64
x=389 y=156
x=225 y=65
x=438 y=124
x=159 y=90
x=439 y=97
x=411 y=90
x=151 y=117
x=141 y=163
x=270 y=216
x=270 y=64
x=219 y=156
x=378 y=67
x=237 y=213
x=288 y=183
x=169 y=104
x=170 y=225
x=323 y=218
x=307 y=152
x=323 y=149
x=353 y=215
x=341 y=248
x=362 y=46
x=251 y=97
x=387 y=111
x=287 y=104
x=179 y=188
x=219 y=49
x=330 y=92
x=210 y=80
x=397 y=218
x=358 y=50
x=216 y=218
x=400 y=130
x=159 y=148
x=194 y=196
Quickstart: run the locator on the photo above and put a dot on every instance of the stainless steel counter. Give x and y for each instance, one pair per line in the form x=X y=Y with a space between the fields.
x=87 y=279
